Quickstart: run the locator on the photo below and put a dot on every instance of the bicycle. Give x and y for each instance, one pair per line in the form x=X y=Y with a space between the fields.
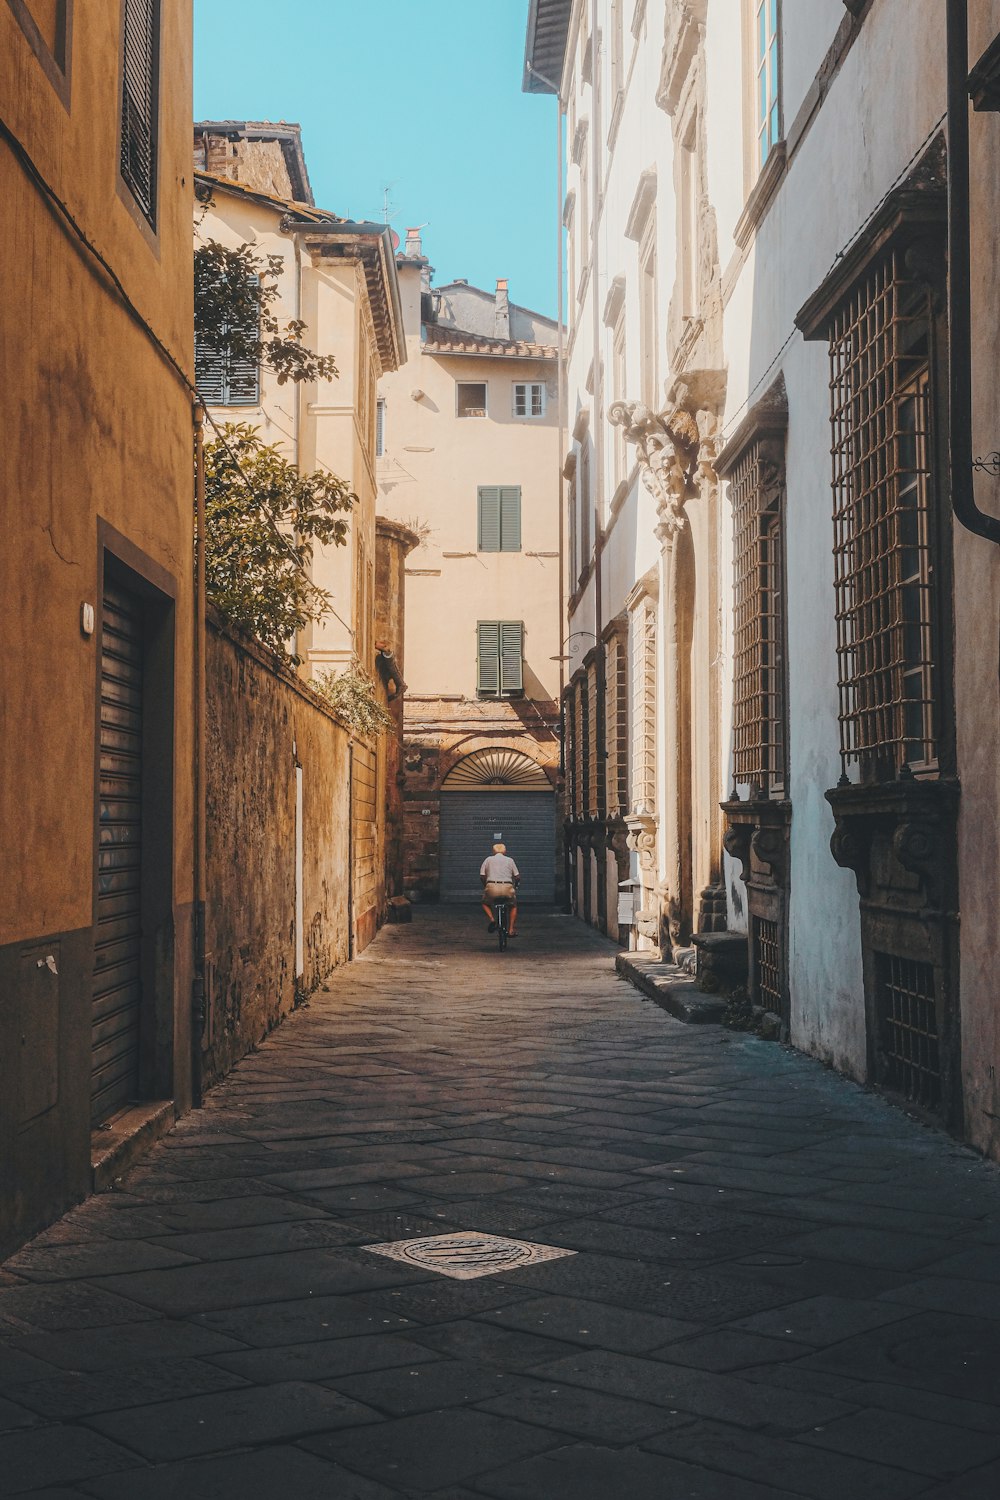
x=501 y=915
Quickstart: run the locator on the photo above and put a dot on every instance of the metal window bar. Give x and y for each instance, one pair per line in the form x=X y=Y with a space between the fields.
x=907 y=1028
x=759 y=708
x=883 y=559
x=593 y=740
x=767 y=955
x=644 y=710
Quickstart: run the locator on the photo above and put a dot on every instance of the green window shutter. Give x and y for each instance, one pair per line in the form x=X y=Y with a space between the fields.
x=489 y=518
x=510 y=518
x=511 y=651
x=489 y=657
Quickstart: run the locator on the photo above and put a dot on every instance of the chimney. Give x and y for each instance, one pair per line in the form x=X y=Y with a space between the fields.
x=414 y=249
x=502 y=323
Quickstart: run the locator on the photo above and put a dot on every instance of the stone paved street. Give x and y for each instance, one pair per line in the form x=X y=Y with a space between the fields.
x=781 y=1285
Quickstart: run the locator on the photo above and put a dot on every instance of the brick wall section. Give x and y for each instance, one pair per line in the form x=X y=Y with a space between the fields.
x=261 y=721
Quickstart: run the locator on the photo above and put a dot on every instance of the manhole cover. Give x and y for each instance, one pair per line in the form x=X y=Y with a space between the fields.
x=468 y=1254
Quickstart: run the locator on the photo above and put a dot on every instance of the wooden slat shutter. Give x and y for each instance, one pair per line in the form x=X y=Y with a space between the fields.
x=510 y=518
x=511 y=650
x=138 y=121
x=209 y=371
x=489 y=656
x=489 y=518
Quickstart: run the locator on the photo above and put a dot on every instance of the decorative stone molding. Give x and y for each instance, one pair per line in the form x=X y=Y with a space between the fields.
x=757 y=833
x=907 y=822
x=642 y=838
x=678 y=446
x=683 y=31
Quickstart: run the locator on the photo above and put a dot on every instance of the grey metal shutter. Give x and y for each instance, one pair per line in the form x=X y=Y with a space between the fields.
x=138 y=121
x=117 y=993
x=489 y=518
x=510 y=518
x=209 y=371
x=511 y=653
x=223 y=377
x=488 y=678
x=471 y=822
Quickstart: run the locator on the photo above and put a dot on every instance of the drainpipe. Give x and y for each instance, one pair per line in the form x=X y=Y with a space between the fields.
x=198 y=985
x=963 y=496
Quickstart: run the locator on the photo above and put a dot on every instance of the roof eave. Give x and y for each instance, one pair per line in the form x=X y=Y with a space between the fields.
x=545 y=45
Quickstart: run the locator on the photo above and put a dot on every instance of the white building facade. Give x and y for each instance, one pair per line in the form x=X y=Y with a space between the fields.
x=781 y=717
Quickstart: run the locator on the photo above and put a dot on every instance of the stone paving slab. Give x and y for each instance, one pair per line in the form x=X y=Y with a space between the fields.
x=782 y=1287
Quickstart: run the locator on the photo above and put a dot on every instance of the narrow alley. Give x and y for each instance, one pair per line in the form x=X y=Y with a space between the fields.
x=779 y=1283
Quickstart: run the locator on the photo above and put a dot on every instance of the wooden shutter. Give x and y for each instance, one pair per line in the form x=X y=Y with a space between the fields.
x=489 y=657
x=138 y=121
x=209 y=371
x=379 y=427
x=511 y=677
x=510 y=518
x=489 y=518
x=242 y=381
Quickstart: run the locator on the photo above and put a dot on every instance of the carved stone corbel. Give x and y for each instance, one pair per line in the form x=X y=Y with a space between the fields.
x=642 y=838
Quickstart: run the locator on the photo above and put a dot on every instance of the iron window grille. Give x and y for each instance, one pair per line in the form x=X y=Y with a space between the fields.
x=908 y=1038
x=380 y=427
x=138 y=134
x=594 y=788
x=760 y=733
x=499 y=518
x=767 y=955
x=529 y=398
x=500 y=658
x=884 y=564
x=616 y=725
x=644 y=709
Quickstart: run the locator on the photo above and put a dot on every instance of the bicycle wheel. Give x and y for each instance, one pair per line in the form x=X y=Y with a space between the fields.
x=501 y=914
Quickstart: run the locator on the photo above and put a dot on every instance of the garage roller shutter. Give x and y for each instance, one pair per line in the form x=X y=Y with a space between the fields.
x=472 y=821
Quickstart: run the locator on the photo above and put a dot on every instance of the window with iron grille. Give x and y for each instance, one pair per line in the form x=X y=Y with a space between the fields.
x=223 y=376
x=884 y=563
x=644 y=708
x=907 y=1028
x=500 y=650
x=140 y=62
x=593 y=741
x=499 y=518
x=616 y=725
x=380 y=427
x=767 y=954
x=582 y=747
x=759 y=709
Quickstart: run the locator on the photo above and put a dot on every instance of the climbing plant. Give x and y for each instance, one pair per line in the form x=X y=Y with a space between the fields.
x=263 y=520
x=353 y=695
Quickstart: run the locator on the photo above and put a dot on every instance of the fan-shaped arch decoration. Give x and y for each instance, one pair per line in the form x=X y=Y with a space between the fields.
x=496 y=771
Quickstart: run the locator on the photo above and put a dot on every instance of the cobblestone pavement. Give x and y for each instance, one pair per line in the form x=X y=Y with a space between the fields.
x=781 y=1285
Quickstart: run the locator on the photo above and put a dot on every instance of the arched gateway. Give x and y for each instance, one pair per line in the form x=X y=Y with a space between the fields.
x=490 y=796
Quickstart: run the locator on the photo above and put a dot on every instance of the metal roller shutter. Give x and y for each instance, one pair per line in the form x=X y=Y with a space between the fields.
x=472 y=821
x=118 y=939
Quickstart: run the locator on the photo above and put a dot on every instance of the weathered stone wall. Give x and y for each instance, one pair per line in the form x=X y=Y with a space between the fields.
x=262 y=723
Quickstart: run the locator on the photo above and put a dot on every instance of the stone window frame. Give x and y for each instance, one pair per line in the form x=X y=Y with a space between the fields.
x=55 y=62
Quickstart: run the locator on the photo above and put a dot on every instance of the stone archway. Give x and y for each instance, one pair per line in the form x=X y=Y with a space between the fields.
x=497 y=794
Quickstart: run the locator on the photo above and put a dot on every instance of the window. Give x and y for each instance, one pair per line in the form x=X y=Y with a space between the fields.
x=500 y=645
x=767 y=93
x=617 y=50
x=471 y=398
x=688 y=220
x=499 y=518
x=906 y=1013
x=644 y=708
x=884 y=571
x=380 y=427
x=616 y=723
x=529 y=398
x=647 y=315
x=223 y=376
x=583 y=504
x=759 y=722
x=140 y=29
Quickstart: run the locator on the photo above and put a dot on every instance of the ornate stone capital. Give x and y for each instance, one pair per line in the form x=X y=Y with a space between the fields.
x=905 y=825
x=667 y=452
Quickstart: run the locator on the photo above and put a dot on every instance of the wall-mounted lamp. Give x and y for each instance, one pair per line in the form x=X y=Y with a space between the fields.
x=572 y=637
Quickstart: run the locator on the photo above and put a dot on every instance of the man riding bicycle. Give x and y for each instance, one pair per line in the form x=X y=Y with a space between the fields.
x=500 y=878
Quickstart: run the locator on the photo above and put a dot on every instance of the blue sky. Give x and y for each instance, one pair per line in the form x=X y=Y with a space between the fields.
x=423 y=97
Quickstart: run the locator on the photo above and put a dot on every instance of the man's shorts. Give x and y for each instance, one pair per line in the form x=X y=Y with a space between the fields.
x=500 y=890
